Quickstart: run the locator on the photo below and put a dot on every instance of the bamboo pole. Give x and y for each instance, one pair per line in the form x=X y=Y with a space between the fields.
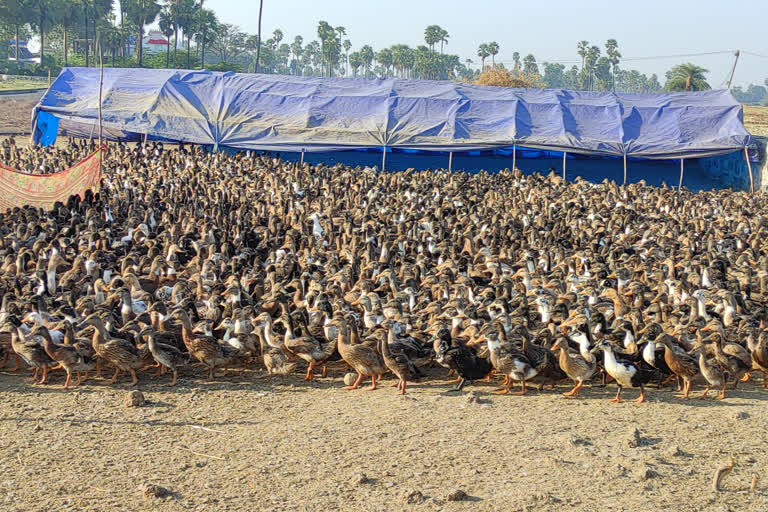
x=564 y=155
x=514 y=155
x=625 y=168
x=749 y=166
x=101 y=87
x=680 y=185
x=450 y=161
x=384 y=159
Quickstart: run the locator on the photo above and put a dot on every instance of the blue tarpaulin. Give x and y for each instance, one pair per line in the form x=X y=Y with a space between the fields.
x=289 y=113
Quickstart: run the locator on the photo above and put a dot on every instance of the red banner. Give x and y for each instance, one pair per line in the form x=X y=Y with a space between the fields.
x=43 y=190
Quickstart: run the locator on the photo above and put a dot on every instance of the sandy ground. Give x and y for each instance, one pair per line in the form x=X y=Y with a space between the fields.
x=247 y=442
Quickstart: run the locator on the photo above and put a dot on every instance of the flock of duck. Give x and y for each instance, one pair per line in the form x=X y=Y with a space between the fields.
x=188 y=259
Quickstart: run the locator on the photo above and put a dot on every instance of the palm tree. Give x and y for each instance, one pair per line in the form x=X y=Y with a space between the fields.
x=366 y=54
x=141 y=13
x=347 y=45
x=207 y=26
x=493 y=49
x=612 y=49
x=166 y=24
x=384 y=57
x=516 y=60
x=43 y=15
x=583 y=48
x=432 y=36
x=687 y=77
x=483 y=52
x=296 y=50
x=443 y=34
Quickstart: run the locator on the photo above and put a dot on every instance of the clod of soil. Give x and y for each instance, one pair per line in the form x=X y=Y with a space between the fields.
x=634 y=439
x=135 y=399
x=414 y=498
x=457 y=495
x=155 y=491
x=350 y=378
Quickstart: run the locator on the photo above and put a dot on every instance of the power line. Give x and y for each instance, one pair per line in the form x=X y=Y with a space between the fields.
x=654 y=57
x=756 y=54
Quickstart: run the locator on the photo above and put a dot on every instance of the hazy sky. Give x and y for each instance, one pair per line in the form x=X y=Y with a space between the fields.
x=549 y=29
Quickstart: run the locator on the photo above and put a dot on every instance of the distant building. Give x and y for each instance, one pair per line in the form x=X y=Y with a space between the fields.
x=155 y=41
x=24 y=54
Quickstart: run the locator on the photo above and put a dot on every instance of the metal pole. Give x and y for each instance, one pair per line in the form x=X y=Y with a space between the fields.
x=749 y=166
x=49 y=78
x=680 y=185
x=733 y=69
x=384 y=159
x=564 y=155
x=625 y=168
x=302 y=156
x=514 y=155
x=450 y=161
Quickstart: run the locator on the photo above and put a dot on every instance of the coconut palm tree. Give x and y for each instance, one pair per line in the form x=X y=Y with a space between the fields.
x=141 y=13
x=516 y=60
x=687 y=77
x=612 y=50
x=443 y=34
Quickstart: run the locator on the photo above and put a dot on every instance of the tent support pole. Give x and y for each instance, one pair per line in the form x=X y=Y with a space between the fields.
x=749 y=166
x=101 y=85
x=680 y=185
x=514 y=156
x=302 y=157
x=625 y=168
x=564 y=155
x=384 y=159
x=450 y=161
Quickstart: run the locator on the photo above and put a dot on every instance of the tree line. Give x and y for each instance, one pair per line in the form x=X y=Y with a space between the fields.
x=68 y=31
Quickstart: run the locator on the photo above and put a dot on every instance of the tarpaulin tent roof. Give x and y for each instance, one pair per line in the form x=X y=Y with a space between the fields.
x=288 y=113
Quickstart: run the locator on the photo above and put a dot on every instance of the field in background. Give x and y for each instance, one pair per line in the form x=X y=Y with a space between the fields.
x=19 y=83
x=756 y=120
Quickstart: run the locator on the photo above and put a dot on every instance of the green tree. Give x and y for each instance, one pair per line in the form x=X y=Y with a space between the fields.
x=516 y=60
x=582 y=49
x=366 y=54
x=443 y=35
x=529 y=65
x=229 y=42
x=186 y=18
x=493 y=49
x=614 y=56
x=603 y=73
x=346 y=45
x=355 y=62
x=687 y=77
x=296 y=50
x=384 y=57
x=16 y=13
x=43 y=16
x=432 y=35
x=554 y=75
x=483 y=52
x=206 y=26
x=141 y=13
x=166 y=24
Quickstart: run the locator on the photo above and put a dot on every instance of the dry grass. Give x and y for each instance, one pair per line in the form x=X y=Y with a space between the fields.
x=756 y=120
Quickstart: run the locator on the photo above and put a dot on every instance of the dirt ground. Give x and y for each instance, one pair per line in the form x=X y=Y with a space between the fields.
x=16 y=112
x=249 y=442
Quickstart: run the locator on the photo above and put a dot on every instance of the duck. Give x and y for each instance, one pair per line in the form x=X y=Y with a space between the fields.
x=461 y=358
x=30 y=350
x=574 y=365
x=205 y=349
x=119 y=352
x=510 y=362
x=166 y=355
x=397 y=362
x=364 y=359
x=625 y=373
x=311 y=349
x=680 y=363
x=68 y=356
x=714 y=376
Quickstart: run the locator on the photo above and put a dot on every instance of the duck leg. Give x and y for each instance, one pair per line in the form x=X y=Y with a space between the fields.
x=325 y=370
x=522 y=391
x=357 y=382
x=175 y=376
x=66 y=382
x=310 y=371
x=33 y=378
x=402 y=388
x=114 y=377
x=617 y=398
x=373 y=383
x=5 y=358
x=746 y=377
x=460 y=385
x=706 y=392
x=45 y=374
x=686 y=390
x=641 y=398
x=134 y=378
x=575 y=390
x=16 y=362
x=721 y=396
x=98 y=368
x=210 y=373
